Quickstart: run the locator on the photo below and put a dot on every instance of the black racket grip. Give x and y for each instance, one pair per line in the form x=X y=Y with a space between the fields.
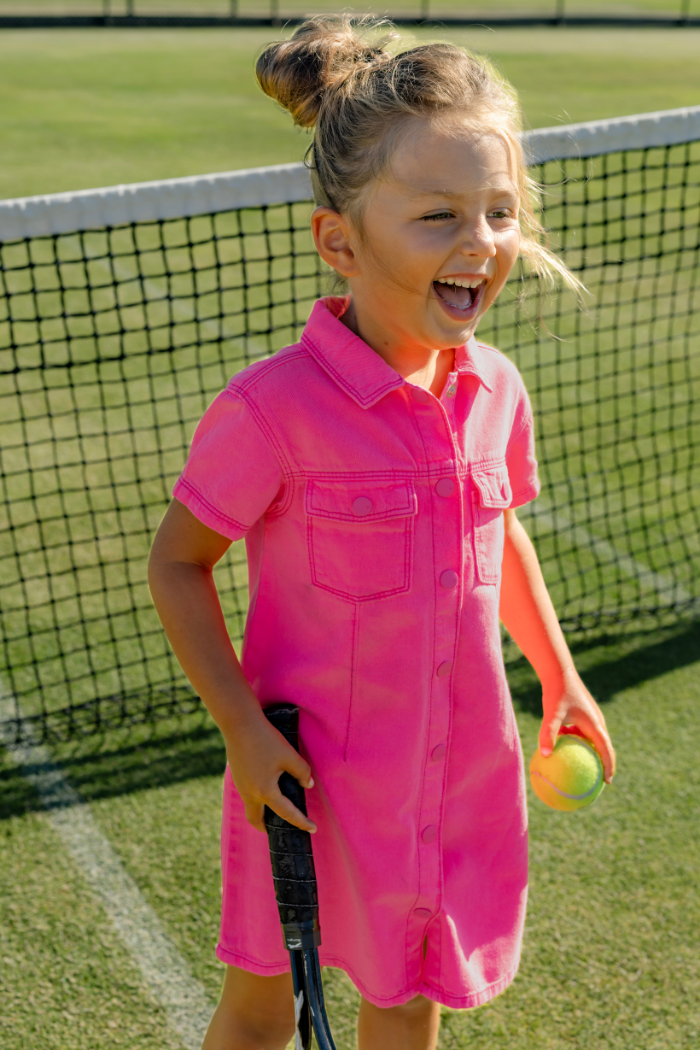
x=290 y=850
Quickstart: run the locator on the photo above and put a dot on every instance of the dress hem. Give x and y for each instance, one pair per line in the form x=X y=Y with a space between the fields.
x=453 y=1002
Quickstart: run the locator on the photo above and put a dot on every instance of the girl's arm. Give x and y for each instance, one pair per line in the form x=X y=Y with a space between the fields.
x=180 y=577
x=529 y=616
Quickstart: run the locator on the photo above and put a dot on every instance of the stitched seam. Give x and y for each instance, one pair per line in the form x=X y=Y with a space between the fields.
x=432 y=684
x=376 y=595
x=249 y=378
x=527 y=422
x=265 y=429
x=507 y=978
x=410 y=507
x=366 y=402
x=281 y=506
x=353 y=675
x=531 y=487
x=480 y=544
x=237 y=954
x=428 y=472
x=433 y=471
x=333 y=960
x=388 y=515
x=186 y=484
x=487 y=464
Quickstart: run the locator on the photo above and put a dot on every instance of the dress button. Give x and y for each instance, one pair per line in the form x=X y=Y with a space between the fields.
x=438 y=753
x=445 y=487
x=444 y=669
x=361 y=506
x=449 y=579
x=429 y=834
x=423 y=912
x=419 y=394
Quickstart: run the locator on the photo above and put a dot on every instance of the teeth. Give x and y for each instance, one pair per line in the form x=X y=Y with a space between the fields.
x=461 y=282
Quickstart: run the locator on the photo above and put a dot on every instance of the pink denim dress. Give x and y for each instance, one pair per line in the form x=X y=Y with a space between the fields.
x=373 y=517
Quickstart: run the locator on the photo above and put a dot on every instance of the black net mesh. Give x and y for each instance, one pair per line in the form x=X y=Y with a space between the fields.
x=113 y=342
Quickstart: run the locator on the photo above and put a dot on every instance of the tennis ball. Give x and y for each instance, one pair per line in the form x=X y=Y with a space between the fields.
x=571 y=777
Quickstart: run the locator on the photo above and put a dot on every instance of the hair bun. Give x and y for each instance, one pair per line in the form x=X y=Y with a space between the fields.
x=322 y=53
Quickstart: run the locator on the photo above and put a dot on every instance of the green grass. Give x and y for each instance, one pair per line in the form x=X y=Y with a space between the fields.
x=612 y=940
x=98 y=107
x=65 y=980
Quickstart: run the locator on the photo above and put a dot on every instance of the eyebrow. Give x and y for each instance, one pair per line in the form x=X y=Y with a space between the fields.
x=454 y=194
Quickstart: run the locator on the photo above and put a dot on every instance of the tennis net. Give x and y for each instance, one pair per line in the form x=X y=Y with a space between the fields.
x=124 y=311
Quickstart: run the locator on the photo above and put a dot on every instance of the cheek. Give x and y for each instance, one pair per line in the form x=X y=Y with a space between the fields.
x=397 y=264
x=507 y=252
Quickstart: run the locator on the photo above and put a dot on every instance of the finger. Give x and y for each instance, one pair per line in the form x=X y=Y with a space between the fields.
x=548 y=735
x=299 y=768
x=598 y=735
x=255 y=815
x=288 y=811
x=603 y=746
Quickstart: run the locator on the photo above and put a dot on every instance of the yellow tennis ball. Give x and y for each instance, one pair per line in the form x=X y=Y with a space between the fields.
x=571 y=777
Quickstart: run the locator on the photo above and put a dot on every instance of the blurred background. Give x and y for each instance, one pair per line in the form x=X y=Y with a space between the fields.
x=478 y=10
x=95 y=107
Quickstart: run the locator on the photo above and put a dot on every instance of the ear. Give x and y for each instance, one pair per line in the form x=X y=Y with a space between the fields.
x=333 y=237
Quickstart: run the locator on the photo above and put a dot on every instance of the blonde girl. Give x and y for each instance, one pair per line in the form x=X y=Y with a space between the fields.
x=374 y=469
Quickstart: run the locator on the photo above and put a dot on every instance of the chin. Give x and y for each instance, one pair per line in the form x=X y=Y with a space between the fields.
x=457 y=337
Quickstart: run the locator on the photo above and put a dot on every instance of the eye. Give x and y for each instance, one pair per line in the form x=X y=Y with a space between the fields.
x=502 y=213
x=438 y=216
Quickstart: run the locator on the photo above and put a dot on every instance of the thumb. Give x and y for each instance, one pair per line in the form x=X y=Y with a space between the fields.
x=548 y=734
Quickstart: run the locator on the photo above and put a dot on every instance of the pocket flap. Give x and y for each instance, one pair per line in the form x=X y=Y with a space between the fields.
x=360 y=500
x=494 y=488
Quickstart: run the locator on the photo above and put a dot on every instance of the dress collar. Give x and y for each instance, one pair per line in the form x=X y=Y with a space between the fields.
x=354 y=366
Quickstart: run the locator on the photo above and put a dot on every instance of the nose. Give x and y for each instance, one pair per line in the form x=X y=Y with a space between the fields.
x=477 y=238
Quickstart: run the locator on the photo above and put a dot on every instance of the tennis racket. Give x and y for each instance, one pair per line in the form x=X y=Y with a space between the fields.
x=297 y=896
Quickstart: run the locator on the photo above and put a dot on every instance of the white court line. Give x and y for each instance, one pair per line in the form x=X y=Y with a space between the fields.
x=165 y=973
x=560 y=521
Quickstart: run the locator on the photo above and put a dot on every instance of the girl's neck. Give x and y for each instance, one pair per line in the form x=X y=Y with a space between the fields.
x=416 y=364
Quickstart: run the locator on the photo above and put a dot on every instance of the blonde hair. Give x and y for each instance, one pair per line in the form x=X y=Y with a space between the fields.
x=332 y=75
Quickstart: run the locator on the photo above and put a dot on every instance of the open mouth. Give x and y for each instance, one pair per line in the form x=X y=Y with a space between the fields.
x=461 y=293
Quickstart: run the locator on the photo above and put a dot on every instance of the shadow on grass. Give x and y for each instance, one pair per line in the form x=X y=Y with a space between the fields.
x=121 y=762
x=146 y=758
x=609 y=665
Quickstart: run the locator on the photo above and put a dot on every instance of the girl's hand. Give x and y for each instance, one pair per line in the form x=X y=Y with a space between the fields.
x=180 y=576
x=257 y=755
x=568 y=703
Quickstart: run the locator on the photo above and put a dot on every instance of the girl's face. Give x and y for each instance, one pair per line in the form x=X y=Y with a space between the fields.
x=440 y=235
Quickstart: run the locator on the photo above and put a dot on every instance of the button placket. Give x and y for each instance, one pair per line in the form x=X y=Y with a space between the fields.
x=445 y=487
x=420 y=395
x=434 y=422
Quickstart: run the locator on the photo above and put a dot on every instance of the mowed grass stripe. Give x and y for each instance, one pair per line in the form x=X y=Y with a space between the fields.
x=95 y=107
x=165 y=973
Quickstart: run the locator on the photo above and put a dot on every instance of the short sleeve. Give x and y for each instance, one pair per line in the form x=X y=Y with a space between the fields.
x=232 y=475
x=520 y=455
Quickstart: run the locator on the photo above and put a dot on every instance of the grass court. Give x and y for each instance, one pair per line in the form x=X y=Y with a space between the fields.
x=611 y=949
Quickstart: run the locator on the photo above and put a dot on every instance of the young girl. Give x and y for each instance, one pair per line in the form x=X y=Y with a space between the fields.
x=374 y=469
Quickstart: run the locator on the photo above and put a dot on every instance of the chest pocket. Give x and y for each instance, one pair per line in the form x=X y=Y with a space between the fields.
x=360 y=537
x=492 y=494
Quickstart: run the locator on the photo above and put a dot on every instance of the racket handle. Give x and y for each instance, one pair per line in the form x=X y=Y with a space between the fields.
x=290 y=850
